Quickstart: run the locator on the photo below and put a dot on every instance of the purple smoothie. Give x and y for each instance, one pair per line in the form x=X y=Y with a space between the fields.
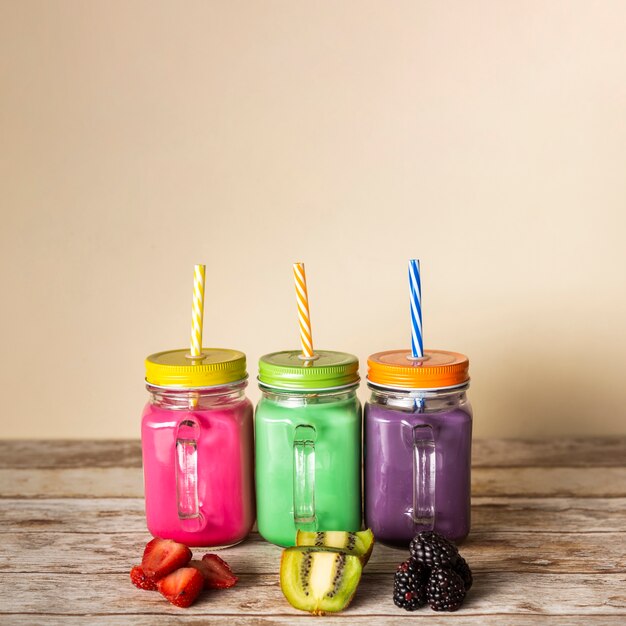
x=417 y=447
x=389 y=457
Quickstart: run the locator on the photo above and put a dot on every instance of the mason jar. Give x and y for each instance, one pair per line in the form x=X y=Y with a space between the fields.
x=198 y=451
x=308 y=445
x=418 y=442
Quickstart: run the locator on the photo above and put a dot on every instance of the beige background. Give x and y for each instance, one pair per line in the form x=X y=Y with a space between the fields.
x=486 y=138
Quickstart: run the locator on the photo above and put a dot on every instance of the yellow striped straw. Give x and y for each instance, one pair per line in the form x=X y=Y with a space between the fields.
x=197 y=310
x=306 y=338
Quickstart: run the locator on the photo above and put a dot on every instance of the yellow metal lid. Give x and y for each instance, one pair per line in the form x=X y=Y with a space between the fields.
x=175 y=368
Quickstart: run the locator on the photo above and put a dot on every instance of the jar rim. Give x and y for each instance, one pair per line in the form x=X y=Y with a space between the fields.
x=235 y=383
x=379 y=387
x=290 y=390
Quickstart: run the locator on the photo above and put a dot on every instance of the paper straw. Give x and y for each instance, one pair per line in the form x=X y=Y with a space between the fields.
x=415 y=286
x=197 y=310
x=306 y=338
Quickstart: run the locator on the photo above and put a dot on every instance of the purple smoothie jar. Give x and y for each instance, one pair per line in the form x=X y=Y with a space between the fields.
x=418 y=443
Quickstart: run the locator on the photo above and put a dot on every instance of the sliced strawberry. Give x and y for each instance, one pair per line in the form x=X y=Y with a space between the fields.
x=163 y=556
x=217 y=573
x=181 y=587
x=206 y=572
x=200 y=566
x=139 y=579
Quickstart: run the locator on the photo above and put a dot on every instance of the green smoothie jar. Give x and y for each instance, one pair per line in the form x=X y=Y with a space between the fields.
x=308 y=445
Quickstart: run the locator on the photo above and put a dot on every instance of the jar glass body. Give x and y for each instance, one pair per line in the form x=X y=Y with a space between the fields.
x=198 y=460
x=308 y=462
x=417 y=463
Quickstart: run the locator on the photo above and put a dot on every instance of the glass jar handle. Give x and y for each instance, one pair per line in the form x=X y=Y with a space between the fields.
x=304 y=478
x=424 y=475
x=189 y=514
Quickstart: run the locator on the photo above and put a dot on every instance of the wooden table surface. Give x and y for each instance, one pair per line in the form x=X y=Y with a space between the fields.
x=548 y=542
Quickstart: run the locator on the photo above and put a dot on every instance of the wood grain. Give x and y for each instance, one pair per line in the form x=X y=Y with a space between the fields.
x=88 y=482
x=112 y=482
x=433 y=619
x=68 y=454
x=110 y=515
x=302 y=620
x=497 y=593
x=550 y=482
x=548 y=543
x=555 y=514
x=54 y=552
x=561 y=452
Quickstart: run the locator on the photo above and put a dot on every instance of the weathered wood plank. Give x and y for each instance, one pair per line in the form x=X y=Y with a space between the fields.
x=499 y=593
x=75 y=515
x=106 y=515
x=111 y=515
x=115 y=482
x=560 y=515
x=71 y=454
x=434 y=619
x=88 y=482
x=549 y=482
x=485 y=551
x=553 y=452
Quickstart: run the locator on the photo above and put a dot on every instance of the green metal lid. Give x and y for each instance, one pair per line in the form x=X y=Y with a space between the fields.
x=288 y=370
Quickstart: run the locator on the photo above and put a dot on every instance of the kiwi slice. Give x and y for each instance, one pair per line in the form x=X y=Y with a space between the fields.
x=357 y=544
x=318 y=580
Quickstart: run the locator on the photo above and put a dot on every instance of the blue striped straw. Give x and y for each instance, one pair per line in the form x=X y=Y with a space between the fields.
x=415 y=285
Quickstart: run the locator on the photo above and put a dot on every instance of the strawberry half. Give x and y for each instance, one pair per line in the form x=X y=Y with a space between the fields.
x=204 y=569
x=181 y=587
x=217 y=573
x=163 y=556
x=139 y=579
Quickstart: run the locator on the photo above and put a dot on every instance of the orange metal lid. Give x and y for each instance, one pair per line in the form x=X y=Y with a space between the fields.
x=437 y=369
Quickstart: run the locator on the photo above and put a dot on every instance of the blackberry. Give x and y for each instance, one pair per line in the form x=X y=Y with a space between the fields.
x=434 y=550
x=409 y=585
x=445 y=591
x=463 y=570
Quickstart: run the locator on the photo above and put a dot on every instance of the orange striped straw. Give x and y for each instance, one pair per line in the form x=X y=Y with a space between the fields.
x=306 y=338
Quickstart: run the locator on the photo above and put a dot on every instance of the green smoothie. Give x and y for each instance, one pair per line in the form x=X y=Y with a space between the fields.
x=308 y=445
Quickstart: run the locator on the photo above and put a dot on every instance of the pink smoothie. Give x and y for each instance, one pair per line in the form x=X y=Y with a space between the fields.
x=198 y=473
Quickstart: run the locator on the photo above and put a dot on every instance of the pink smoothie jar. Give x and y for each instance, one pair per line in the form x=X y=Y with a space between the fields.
x=198 y=448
